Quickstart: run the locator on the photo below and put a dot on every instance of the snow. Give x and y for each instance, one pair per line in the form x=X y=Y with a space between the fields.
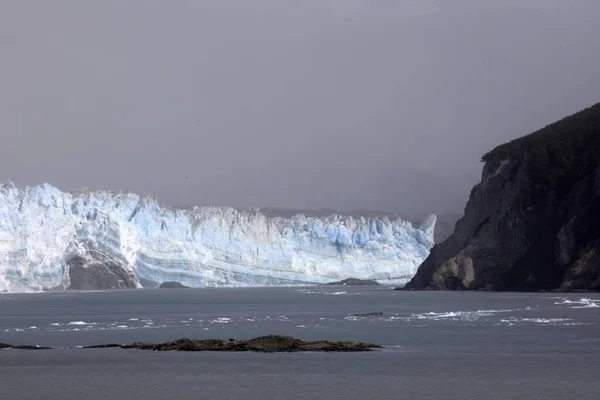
x=41 y=227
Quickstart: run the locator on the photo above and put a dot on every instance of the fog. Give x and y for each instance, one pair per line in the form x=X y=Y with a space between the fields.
x=345 y=104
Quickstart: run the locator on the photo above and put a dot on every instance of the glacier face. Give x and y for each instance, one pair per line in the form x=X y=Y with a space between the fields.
x=42 y=228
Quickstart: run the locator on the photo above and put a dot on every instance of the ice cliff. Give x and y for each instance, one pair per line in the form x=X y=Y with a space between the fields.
x=51 y=239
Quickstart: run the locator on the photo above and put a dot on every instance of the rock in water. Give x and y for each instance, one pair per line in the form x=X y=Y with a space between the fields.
x=264 y=344
x=23 y=347
x=532 y=222
x=369 y=314
x=172 y=285
x=355 y=282
x=94 y=271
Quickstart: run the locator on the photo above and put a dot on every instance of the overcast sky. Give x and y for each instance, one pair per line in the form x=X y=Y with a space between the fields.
x=381 y=104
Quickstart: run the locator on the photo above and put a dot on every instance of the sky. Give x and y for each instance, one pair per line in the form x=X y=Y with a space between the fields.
x=345 y=104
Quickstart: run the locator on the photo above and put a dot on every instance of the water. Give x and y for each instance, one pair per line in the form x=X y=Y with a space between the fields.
x=451 y=345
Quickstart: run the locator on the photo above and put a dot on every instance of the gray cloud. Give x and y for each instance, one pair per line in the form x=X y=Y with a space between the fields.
x=345 y=104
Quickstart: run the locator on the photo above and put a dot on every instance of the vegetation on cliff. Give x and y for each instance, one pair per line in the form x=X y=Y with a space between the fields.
x=557 y=155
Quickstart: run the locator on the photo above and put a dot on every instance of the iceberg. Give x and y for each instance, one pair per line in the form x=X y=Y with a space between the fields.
x=54 y=240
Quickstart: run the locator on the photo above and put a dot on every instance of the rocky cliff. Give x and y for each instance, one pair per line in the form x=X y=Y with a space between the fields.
x=533 y=222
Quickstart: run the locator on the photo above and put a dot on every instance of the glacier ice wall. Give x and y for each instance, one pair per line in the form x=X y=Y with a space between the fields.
x=41 y=228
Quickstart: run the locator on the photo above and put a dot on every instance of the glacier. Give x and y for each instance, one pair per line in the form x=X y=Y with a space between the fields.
x=49 y=238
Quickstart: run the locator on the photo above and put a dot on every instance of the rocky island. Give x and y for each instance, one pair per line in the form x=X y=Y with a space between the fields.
x=264 y=344
x=355 y=282
x=172 y=285
x=532 y=223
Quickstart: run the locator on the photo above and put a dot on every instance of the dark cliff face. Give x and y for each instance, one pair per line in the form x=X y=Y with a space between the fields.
x=533 y=222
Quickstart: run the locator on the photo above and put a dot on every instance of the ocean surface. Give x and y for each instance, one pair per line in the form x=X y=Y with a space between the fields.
x=439 y=345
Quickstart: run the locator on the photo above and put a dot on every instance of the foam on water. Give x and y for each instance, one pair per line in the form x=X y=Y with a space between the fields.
x=457 y=315
x=511 y=321
x=542 y=313
x=221 y=320
x=327 y=293
x=583 y=302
